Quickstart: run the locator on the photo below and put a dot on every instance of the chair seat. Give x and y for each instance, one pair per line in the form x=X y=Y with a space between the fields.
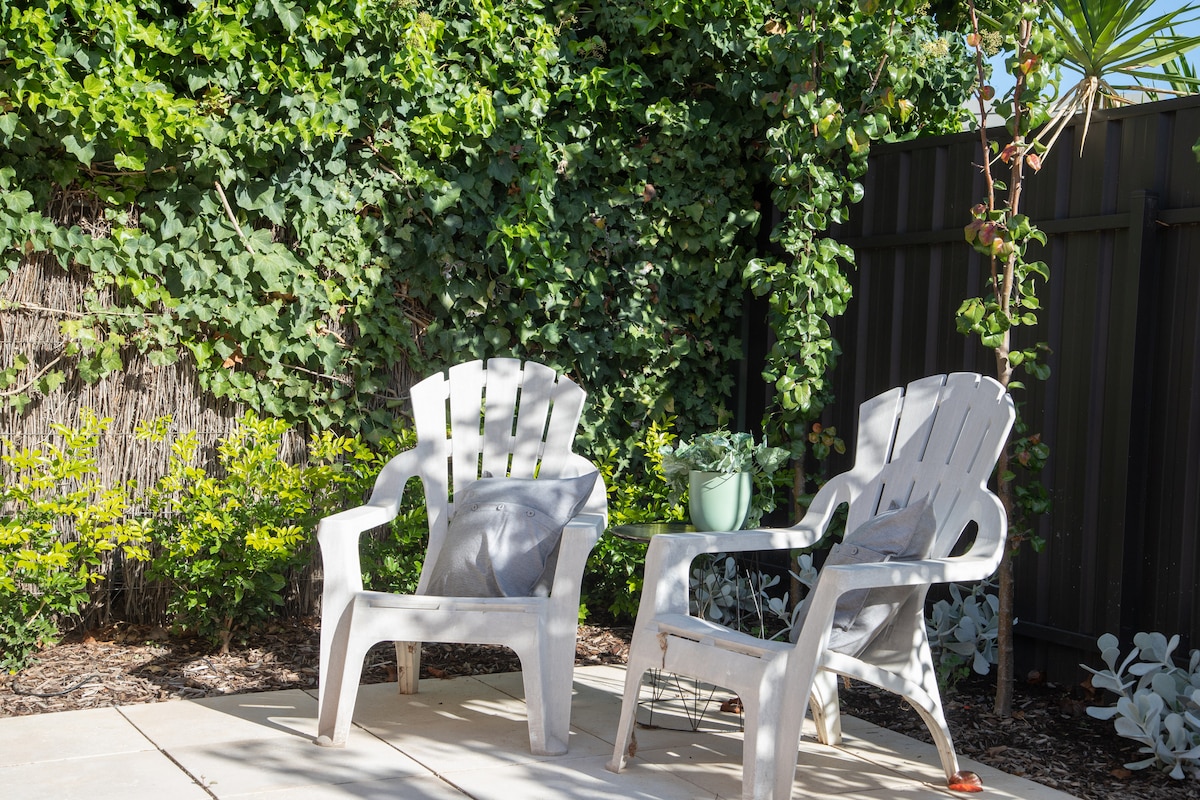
x=711 y=634
x=424 y=602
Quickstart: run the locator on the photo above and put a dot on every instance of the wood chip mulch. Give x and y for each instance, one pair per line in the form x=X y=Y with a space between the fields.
x=138 y=664
x=1049 y=739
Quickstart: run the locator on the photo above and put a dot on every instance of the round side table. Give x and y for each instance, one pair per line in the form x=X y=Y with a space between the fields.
x=644 y=531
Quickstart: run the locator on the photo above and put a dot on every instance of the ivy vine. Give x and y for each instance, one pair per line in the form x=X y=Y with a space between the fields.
x=854 y=74
x=298 y=196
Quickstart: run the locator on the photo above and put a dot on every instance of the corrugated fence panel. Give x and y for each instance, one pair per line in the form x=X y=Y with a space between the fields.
x=1121 y=411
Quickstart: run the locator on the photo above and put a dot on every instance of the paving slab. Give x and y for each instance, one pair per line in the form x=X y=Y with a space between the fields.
x=570 y=779
x=232 y=718
x=235 y=768
x=459 y=738
x=145 y=775
x=67 y=735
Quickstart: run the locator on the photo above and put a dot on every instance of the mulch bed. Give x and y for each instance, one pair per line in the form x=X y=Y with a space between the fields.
x=1049 y=738
x=138 y=664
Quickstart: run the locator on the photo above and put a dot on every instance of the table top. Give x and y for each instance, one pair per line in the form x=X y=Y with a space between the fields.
x=643 y=531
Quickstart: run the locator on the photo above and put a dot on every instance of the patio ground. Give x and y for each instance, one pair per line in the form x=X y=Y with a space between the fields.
x=464 y=737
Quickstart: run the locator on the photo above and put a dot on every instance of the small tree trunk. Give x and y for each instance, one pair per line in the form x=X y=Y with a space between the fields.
x=1005 y=663
x=799 y=486
x=226 y=635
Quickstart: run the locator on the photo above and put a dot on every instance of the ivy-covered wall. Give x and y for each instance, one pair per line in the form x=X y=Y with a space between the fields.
x=297 y=197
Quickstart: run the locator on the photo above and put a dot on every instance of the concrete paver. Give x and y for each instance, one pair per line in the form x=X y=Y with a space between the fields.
x=457 y=738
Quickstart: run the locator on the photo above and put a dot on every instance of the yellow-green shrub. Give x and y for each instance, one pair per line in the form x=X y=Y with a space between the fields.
x=57 y=521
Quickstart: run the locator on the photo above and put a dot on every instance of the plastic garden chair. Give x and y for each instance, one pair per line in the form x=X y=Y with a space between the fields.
x=504 y=420
x=934 y=443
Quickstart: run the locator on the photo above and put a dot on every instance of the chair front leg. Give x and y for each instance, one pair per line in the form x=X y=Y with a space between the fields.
x=768 y=760
x=625 y=746
x=339 y=682
x=549 y=720
x=558 y=680
x=929 y=706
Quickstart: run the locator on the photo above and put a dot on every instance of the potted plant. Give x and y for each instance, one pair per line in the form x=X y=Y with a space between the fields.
x=721 y=471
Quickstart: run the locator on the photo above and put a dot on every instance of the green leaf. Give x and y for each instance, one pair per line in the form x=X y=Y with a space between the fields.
x=289 y=15
x=164 y=357
x=85 y=152
x=133 y=163
x=439 y=202
x=271 y=268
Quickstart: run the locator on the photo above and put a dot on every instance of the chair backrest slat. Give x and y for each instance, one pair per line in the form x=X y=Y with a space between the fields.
x=876 y=437
x=537 y=393
x=566 y=408
x=466 y=386
x=430 y=402
x=501 y=398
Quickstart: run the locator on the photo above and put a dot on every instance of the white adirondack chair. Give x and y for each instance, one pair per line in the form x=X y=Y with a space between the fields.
x=940 y=438
x=502 y=419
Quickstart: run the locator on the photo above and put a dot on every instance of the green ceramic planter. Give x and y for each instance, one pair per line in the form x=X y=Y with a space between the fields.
x=719 y=501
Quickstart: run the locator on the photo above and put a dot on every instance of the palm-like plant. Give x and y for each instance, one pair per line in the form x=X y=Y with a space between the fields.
x=1179 y=74
x=1106 y=39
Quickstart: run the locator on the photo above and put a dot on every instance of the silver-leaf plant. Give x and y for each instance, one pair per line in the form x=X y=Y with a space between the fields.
x=1158 y=702
x=963 y=631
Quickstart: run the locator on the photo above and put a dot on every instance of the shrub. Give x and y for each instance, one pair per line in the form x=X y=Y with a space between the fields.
x=228 y=540
x=56 y=523
x=963 y=632
x=1158 y=702
x=738 y=598
x=637 y=492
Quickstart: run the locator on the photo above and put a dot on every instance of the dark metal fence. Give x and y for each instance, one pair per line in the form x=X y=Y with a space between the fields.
x=1121 y=410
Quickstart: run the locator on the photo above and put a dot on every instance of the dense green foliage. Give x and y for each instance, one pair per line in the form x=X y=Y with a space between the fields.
x=844 y=78
x=299 y=196
x=403 y=185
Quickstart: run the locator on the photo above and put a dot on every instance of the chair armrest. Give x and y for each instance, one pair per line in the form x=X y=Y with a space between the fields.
x=579 y=536
x=669 y=560
x=841 y=488
x=338 y=534
x=389 y=486
x=838 y=579
x=665 y=589
x=872 y=575
x=979 y=562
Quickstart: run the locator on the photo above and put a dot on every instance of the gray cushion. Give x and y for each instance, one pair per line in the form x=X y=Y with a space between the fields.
x=504 y=536
x=904 y=534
